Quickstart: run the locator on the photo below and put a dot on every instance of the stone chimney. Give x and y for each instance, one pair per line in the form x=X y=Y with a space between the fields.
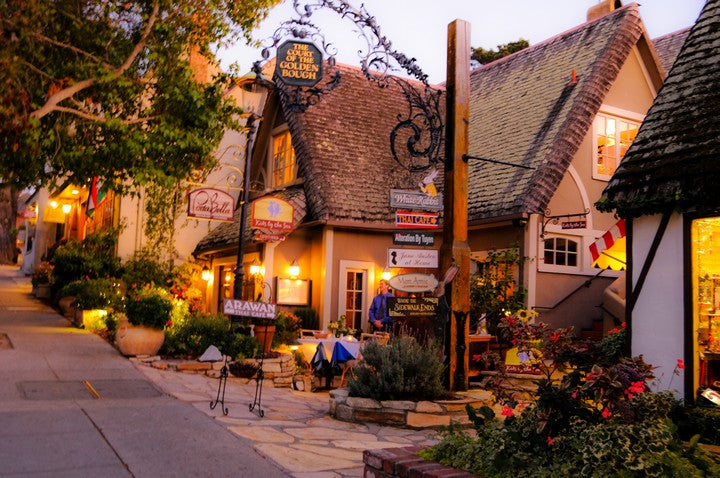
x=602 y=8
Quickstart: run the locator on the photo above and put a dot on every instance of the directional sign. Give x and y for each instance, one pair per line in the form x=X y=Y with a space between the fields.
x=415 y=220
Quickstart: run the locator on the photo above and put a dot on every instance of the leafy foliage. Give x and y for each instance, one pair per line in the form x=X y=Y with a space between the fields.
x=402 y=369
x=91 y=258
x=149 y=306
x=144 y=268
x=287 y=328
x=105 y=88
x=193 y=334
x=98 y=294
x=692 y=420
x=43 y=274
x=308 y=317
x=484 y=56
x=598 y=418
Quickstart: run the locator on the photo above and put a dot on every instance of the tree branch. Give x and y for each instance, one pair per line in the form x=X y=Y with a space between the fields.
x=102 y=119
x=52 y=102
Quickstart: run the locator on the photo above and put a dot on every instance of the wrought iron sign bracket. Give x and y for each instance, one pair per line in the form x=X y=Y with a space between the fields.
x=555 y=219
x=466 y=157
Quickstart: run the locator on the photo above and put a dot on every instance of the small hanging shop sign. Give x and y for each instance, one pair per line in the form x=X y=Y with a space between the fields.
x=412 y=306
x=273 y=214
x=299 y=63
x=262 y=237
x=415 y=200
x=245 y=308
x=574 y=224
x=413 y=282
x=210 y=203
x=413 y=258
x=415 y=220
x=414 y=238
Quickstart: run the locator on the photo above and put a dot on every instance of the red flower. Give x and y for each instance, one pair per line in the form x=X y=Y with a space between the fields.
x=574 y=394
x=550 y=441
x=606 y=413
x=168 y=323
x=507 y=411
x=680 y=364
x=476 y=357
x=555 y=337
x=637 y=387
x=623 y=325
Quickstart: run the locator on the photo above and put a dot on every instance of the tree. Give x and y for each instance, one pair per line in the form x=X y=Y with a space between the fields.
x=484 y=56
x=105 y=88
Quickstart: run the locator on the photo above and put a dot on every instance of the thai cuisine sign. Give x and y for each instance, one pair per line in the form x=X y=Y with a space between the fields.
x=210 y=203
x=245 y=308
x=416 y=220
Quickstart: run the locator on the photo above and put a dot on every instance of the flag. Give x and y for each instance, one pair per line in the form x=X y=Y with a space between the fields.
x=96 y=196
x=609 y=250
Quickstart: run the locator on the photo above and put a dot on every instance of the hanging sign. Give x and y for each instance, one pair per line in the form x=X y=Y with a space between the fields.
x=210 y=203
x=415 y=200
x=272 y=213
x=412 y=258
x=412 y=306
x=299 y=63
x=259 y=236
x=415 y=220
x=414 y=238
x=573 y=224
x=413 y=282
x=245 y=308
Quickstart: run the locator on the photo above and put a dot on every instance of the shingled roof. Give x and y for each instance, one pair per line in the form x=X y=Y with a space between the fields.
x=525 y=109
x=674 y=162
x=342 y=145
x=668 y=46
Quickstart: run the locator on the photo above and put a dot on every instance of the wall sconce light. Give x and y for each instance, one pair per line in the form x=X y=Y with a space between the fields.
x=66 y=208
x=53 y=204
x=255 y=268
x=228 y=276
x=386 y=274
x=294 y=270
x=206 y=274
x=75 y=192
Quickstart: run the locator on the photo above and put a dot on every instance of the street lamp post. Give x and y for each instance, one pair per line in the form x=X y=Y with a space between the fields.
x=239 y=270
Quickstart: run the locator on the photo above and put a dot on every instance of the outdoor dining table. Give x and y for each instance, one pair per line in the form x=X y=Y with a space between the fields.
x=329 y=351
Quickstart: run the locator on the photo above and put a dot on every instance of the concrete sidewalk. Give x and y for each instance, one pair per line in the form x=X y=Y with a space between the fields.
x=154 y=422
x=51 y=426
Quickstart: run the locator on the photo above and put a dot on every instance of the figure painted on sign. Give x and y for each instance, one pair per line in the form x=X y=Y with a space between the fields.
x=380 y=321
x=428 y=184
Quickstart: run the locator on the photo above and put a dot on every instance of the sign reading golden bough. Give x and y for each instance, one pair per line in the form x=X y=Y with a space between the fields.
x=210 y=203
x=413 y=282
x=272 y=214
x=299 y=63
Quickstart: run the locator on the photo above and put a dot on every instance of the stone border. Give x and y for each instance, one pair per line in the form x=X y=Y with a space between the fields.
x=404 y=463
x=279 y=371
x=407 y=413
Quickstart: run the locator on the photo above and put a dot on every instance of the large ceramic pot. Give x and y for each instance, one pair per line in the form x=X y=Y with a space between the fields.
x=264 y=334
x=137 y=339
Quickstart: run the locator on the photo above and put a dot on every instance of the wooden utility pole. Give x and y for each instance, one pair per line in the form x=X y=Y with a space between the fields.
x=455 y=221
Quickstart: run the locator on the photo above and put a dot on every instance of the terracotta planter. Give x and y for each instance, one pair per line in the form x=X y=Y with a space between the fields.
x=138 y=339
x=42 y=291
x=66 y=306
x=264 y=335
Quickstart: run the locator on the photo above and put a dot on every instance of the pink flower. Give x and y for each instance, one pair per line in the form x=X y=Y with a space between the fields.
x=550 y=441
x=574 y=394
x=476 y=357
x=507 y=411
x=606 y=413
x=680 y=364
x=636 y=387
x=168 y=323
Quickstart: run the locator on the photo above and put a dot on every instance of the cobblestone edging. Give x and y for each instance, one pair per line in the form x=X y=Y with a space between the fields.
x=407 y=413
x=404 y=463
x=278 y=371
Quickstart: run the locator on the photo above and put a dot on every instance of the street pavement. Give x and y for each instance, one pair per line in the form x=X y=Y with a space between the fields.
x=72 y=406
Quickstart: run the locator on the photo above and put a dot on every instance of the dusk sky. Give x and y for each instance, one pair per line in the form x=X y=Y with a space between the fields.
x=418 y=28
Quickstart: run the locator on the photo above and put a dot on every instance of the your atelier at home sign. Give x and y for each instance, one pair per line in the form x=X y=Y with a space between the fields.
x=412 y=258
x=299 y=63
x=244 y=308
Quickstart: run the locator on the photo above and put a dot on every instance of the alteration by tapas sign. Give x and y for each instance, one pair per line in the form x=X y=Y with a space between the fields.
x=245 y=308
x=299 y=63
x=416 y=220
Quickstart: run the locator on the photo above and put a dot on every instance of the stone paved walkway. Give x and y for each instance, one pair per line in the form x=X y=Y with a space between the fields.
x=296 y=431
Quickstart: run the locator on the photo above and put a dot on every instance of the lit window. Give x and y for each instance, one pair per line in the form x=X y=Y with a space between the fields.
x=613 y=137
x=560 y=251
x=283 y=163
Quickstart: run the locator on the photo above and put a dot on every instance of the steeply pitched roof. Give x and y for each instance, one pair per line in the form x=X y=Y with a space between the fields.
x=342 y=145
x=668 y=46
x=674 y=162
x=524 y=109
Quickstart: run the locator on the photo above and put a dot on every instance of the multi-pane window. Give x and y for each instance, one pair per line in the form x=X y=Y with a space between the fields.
x=613 y=137
x=283 y=162
x=354 y=299
x=561 y=251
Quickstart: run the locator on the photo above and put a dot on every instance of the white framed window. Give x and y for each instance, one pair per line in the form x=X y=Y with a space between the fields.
x=612 y=135
x=561 y=254
x=282 y=162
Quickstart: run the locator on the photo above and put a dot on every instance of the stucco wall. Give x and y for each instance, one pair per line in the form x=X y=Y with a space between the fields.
x=657 y=318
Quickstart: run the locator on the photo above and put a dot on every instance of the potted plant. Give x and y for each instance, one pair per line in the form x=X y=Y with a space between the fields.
x=147 y=312
x=41 y=280
x=93 y=298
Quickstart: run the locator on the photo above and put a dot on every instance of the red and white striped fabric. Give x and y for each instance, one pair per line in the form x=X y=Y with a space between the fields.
x=607 y=240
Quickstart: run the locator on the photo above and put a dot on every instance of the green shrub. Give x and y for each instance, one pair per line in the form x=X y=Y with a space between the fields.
x=692 y=420
x=43 y=274
x=308 y=317
x=241 y=346
x=91 y=258
x=71 y=289
x=144 y=268
x=192 y=335
x=149 y=306
x=403 y=369
x=96 y=294
x=287 y=328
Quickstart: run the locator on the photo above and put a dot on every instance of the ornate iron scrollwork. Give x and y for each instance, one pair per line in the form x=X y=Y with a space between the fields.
x=420 y=127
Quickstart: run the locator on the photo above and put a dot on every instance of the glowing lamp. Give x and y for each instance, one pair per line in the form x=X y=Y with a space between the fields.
x=294 y=270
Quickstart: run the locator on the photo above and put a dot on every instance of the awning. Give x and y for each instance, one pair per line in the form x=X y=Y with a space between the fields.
x=608 y=252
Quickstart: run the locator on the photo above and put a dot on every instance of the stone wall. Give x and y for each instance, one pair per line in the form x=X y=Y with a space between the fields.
x=404 y=463
x=407 y=413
